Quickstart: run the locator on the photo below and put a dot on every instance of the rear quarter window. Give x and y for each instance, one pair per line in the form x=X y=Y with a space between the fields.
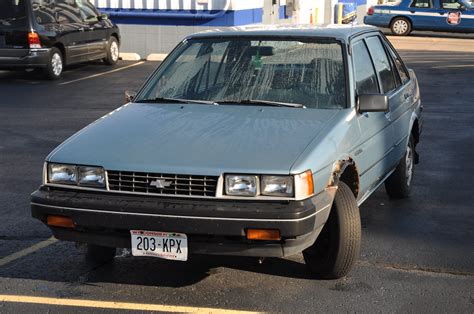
x=44 y=11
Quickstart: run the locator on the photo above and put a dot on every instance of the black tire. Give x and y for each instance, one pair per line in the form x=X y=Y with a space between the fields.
x=54 y=68
x=100 y=254
x=112 y=54
x=398 y=185
x=337 y=248
x=400 y=26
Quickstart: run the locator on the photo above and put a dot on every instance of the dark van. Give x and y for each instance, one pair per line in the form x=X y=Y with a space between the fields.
x=50 y=34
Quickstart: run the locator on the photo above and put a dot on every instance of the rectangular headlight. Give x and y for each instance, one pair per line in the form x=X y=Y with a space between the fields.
x=241 y=185
x=91 y=176
x=62 y=174
x=277 y=185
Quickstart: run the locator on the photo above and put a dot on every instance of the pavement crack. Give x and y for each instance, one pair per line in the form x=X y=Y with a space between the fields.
x=419 y=269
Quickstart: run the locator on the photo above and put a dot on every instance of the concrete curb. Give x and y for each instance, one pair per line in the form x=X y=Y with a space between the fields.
x=156 y=57
x=432 y=44
x=130 y=56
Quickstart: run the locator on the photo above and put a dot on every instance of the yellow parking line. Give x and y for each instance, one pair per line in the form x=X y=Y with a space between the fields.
x=114 y=305
x=101 y=74
x=27 y=251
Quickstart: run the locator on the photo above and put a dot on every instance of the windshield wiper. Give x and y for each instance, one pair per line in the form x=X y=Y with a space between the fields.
x=176 y=100
x=261 y=102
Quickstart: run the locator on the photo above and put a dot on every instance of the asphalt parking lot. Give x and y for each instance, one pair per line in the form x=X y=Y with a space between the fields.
x=417 y=254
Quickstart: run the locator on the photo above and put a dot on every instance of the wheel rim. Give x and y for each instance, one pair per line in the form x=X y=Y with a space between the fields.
x=409 y=165
x=57 y=64
x=400 y=27
x=114 y=51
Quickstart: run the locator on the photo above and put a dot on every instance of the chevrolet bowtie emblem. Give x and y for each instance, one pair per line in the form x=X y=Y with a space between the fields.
x=160 y=184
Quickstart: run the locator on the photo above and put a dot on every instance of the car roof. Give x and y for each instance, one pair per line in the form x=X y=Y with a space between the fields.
x=339 y=32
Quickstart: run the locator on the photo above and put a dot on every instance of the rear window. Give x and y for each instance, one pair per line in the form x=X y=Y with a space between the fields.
x=12 y=13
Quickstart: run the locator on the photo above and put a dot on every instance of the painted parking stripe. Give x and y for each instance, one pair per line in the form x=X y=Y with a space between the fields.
x=102 y=74
x=114 y=305
x=453 y=66
x=27 y=251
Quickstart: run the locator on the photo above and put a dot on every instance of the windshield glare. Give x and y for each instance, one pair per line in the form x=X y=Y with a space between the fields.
x=309 y=73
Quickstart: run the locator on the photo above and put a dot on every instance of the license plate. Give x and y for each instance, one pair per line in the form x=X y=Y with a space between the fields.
x=167 y=245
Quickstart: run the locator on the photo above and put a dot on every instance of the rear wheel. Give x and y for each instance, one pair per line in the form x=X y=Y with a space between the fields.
x=398 y=185
x=55 y=66
x=100 y=254
x=337 y=248
x=113 y=51
x=400 y=26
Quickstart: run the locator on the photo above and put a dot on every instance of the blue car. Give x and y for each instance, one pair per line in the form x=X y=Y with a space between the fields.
x=430 y=15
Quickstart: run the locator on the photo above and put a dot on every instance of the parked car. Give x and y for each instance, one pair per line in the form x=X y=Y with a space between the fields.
x=258 y=142
x=426 y=15
x=50 y=34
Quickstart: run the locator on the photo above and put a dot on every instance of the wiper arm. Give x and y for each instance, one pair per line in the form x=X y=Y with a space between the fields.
x=176 y=100
x=262 y=102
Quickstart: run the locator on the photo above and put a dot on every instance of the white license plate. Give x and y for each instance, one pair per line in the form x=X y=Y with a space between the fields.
x=167 y=245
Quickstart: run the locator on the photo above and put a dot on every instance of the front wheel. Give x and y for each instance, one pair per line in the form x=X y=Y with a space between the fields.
x=400 y=26
x=113 y=52
x=337 y=248
x=55 y=65
x=398 y=185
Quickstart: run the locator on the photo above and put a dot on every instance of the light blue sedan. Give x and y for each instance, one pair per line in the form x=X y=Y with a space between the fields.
x=256 y=142
x=427 y=15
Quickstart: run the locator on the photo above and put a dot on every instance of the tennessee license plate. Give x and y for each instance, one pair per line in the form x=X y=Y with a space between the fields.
x=167 y=245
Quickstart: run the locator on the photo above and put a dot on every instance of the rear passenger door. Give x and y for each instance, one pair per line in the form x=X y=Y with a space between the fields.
x=96 y=30
x=72 y=28
x=424 y=14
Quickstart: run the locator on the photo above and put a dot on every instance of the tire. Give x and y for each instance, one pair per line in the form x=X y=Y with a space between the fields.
x=337 y=247
x=400 y=26
x=398 y=185
x=112 y=51
x=100 y=254
x=55 y=66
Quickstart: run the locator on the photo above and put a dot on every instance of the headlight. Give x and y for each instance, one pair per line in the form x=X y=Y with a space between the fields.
x=241 y=185
x=91 y=176
x=62 y=174
x=76 y=175
x=277 y=185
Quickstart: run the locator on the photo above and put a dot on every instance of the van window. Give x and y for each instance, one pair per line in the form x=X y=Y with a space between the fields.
x=12 y=13
x=43 y=11
x=68 y=12
x=88 y=11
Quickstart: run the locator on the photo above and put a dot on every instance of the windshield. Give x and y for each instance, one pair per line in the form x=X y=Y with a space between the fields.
x=245 y=70
x=12 y=13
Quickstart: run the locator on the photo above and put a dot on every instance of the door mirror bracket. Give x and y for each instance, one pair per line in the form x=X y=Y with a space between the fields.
x=129 y=96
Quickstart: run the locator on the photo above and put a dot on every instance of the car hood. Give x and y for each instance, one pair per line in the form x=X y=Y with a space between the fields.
x=195 y=139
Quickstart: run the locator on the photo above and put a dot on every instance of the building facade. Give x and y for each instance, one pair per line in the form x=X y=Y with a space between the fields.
x=156 y=26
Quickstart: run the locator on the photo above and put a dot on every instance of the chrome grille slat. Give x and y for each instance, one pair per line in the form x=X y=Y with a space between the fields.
x=139 y=182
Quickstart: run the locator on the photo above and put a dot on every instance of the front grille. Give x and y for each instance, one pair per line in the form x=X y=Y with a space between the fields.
x=169 y=184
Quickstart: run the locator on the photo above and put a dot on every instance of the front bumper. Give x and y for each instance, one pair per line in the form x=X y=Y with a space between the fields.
x=11 y=59
x=212 y=226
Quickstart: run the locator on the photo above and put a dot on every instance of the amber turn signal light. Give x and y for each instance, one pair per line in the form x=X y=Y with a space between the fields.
x=60 y=221
x=263 y=234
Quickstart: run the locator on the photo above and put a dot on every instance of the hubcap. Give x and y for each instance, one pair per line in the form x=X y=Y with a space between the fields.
x=57 y=64
x=114 y=51
x=400 y=27
x=409 y=165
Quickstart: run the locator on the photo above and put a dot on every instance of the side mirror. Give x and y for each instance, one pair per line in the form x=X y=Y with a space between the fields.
x=372 y=103
x=129 y=96
x=103 y=17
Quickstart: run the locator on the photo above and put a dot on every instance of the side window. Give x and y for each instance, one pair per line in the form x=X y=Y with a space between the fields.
x=450 y=4
x=67 y=12
x=43 y=11
x=382 y=64
x=422 y=4
x=88 y=11
x=366 y=79
x=402 y=72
